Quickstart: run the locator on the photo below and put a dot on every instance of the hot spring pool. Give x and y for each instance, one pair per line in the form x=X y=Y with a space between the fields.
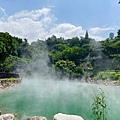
x=48 y=97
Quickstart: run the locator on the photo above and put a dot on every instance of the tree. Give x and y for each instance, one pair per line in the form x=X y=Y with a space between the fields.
x=86 y=35
x=107 y=47
x=118 y=33
x=116 y=63
x=116 y=47
x=87 y=49
x=8 y=45
x=78 y=72
x=59 y=47
x=67 y=67
x=55 y=56
x=73 y=54
x=75 y=41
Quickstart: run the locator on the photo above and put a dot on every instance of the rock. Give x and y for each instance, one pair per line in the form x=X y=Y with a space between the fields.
x=61 y=116
x=36 y=118
x=7 y=117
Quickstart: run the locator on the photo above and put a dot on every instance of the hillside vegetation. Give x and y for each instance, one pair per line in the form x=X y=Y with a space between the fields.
x=73 y=58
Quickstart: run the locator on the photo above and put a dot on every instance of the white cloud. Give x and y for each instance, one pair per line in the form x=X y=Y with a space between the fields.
x=67 y=30
x=40 y=24
x=34 y=14
x=31 y=25
x=97 y=38
x=98 y=30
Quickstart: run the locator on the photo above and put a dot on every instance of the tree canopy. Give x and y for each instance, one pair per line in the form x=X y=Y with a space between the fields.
x=75 y=57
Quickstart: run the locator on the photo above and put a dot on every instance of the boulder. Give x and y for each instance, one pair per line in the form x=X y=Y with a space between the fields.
x=36 y=118
x=61 y=116
x=7 y=117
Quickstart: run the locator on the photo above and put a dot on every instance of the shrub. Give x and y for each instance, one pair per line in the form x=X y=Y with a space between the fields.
x=108 y=75
x=99 y=107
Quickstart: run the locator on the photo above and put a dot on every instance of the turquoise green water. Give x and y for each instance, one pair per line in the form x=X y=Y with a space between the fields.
x=46 y=98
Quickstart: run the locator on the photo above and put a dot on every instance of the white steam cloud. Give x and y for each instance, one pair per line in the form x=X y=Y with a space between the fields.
x=46 y=97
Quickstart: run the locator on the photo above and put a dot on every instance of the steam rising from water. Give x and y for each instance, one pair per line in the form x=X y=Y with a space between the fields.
x=46 y=97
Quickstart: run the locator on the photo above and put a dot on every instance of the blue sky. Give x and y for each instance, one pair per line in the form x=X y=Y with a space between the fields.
x=39 y=19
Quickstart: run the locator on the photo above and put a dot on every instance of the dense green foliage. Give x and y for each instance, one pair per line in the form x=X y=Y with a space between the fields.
x=12 y=50
x=73 y=58
x=17 y=55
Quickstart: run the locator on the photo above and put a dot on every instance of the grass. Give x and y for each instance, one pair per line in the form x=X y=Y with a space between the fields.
x=108 y=75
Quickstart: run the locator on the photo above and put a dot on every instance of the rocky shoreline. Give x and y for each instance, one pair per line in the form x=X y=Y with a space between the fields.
x=59 y=116
x=4 y=83
x=101 y=82
x=106 y=82
x=9 y=82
